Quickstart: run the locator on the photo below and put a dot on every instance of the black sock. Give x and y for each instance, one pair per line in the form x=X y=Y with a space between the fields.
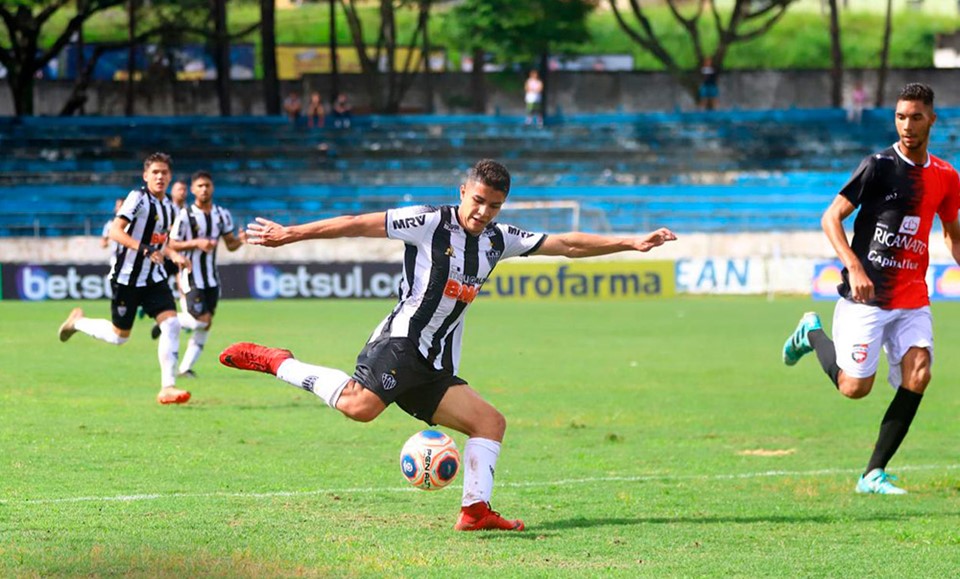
x=894 y=427
x=826 y=353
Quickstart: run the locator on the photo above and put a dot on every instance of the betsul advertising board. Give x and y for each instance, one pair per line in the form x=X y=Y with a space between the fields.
x=511 y=280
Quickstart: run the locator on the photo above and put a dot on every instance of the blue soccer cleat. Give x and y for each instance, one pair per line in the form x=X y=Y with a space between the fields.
x=798 y=344
x=878 y=482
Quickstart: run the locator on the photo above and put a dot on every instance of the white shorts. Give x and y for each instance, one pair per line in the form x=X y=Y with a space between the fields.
x=860 y=331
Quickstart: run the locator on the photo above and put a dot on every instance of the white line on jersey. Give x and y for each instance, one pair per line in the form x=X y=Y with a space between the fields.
x=404 y=489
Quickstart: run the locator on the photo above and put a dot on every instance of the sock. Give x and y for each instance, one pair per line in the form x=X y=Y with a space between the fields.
x=99 y=329
x=826 y=353
x=896 y=422
x=479 y=463
x=327 y=383
x=167 y=348
x=189 y=322
x=194 y=348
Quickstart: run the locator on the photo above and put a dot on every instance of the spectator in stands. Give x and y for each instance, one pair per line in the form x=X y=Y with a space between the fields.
x=709 y=90
x=412 y=358
x=292 y=106
x=141 y=229
x=342 y=112
x=858 y=99
x=315 y=111
x=533 y=98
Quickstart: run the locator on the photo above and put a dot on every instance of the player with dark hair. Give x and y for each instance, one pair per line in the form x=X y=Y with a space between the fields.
x=138 y=277
x=884 y=301
x=196 y=233
x=413 y=355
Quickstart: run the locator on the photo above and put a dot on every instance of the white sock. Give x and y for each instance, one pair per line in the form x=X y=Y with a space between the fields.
x=167 y=348
x=99 y=329
x=479 y=462
x=194 y=348
x=189 y=322
x=327 y=383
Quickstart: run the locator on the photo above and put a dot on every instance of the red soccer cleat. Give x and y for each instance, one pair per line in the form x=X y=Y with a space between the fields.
x=248 y=356
x=172 y=395
x=480 y=517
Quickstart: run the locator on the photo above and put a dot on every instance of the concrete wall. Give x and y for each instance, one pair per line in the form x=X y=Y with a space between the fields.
x=580 y=92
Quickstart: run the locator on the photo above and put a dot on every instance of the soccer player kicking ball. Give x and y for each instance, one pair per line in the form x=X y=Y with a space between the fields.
x=140 y=230
x=884 y=301
x=412 y=356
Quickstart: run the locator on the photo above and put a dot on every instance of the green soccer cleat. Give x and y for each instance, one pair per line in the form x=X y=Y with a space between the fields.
x=798 y=344
x=878 y=482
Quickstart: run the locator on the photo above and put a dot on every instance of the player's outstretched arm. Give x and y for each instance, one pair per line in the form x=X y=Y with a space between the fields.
x=590 y=245
x=951 y=234
x=271 y=234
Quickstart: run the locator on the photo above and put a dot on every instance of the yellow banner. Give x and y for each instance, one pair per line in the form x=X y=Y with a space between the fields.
x=581 y=280
x=295 y=61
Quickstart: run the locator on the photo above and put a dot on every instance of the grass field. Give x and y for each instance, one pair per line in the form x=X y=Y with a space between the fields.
x=659 y=438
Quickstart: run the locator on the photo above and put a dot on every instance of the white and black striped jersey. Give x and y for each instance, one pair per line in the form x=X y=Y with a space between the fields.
x=193 y=223
x=150 y=221
x=443 y=270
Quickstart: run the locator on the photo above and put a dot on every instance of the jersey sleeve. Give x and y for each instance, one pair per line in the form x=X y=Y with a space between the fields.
x=950 y=206
x=133 y=204
x=412 y=224
x=517 y=242
x=228 y=226
x=859 y=184
x=178 y=230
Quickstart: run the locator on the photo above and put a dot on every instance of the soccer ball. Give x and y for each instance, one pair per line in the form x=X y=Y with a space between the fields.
x=430 y=460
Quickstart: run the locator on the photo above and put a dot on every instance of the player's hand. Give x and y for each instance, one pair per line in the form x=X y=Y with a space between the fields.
x=206 y=245
x=656 y=239
x=267 y=233
x=861 y=288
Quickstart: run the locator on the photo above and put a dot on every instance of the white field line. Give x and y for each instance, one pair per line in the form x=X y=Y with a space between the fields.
x=404 y=489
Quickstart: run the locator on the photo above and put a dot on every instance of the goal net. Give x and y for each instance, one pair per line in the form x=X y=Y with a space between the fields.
x=554 y=216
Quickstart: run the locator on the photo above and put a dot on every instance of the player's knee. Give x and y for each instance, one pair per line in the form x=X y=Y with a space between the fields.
x=360 y=408
x=917 y=380
x=493 y=425
x=853 y=387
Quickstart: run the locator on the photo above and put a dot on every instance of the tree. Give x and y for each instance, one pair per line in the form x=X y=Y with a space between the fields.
x=836 y=57
x=22 y=54
x=399 y=79
x=884 y=55
x=748 y=19
x=268 y=54
x=527 y=31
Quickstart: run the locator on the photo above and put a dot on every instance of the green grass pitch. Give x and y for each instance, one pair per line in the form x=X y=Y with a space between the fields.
x=659 y=438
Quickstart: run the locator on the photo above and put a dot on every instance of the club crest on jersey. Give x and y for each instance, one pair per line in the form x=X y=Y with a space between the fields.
x=493 y=256
x=859 y=354
x=388 y=381
x=449 y=252
x=910 y=225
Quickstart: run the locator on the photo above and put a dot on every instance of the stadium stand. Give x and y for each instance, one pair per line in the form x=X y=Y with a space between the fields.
x=720 y=171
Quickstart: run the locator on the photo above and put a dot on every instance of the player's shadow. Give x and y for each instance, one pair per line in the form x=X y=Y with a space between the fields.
x=582 y=522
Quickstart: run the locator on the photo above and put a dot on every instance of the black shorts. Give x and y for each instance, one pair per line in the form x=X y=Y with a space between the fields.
x=202 y=301
x=395 y=371
x=154 y=299
x=172 y=269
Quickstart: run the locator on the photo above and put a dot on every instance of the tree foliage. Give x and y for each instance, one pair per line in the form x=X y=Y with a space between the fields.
x=746 y=20
x=21 y=53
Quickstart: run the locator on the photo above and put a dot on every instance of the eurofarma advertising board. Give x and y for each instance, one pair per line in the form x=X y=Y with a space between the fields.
x=516 y=279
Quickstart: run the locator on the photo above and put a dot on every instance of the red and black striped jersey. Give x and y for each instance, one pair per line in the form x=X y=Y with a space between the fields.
x=897 y=200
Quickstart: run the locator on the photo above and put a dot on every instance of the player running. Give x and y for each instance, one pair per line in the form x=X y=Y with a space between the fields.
x=884 y=301
x=196 y=232
x=413 y=355
x=138 y=276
